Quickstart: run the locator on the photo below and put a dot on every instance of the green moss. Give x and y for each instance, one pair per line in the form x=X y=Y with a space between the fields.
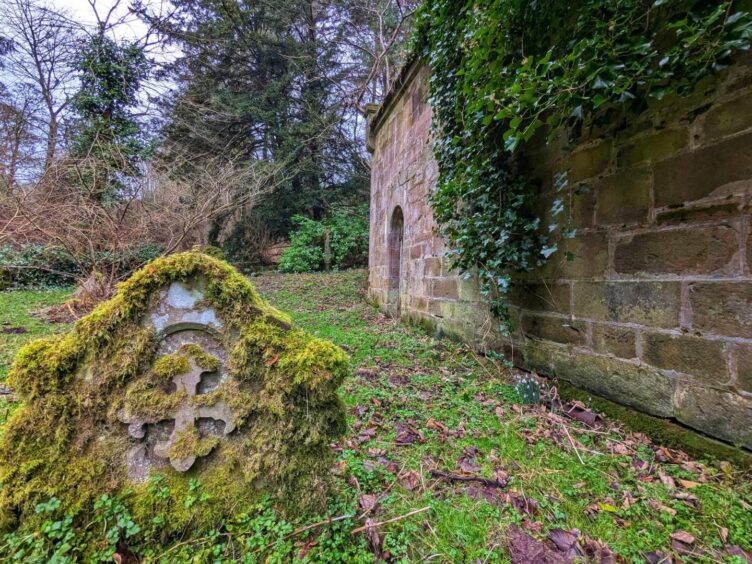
x=67 y=441
x=188 y=443
x=200 y=357
x=146 y=399
x=171 y=365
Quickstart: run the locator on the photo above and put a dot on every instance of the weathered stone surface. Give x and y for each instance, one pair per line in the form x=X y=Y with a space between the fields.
x=722 y=308
x=557 y=329
x=589 y=162
x=720 y=413
x=706 y=250
x=673 y=165
x=712 y=211
x=628 y=383
x=541 y=297
x=653 y=147
x=614 y=339
x=648 y=303
x=445 y=288
x=582 y=208
x=743 y=356
x=624 y=198
x=697 y=174
x=729 y=117
x=703 y=359
x=185 y=369
x=589 y=253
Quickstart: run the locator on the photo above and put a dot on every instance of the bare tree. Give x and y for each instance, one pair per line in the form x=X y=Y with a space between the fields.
x=41 y=58
x=373 y=36
x=16 y=138
x=164 y=207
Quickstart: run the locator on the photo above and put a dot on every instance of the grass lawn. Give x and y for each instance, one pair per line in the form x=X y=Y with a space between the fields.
x=436 y=430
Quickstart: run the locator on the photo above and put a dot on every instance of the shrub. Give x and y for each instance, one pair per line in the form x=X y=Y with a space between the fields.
x=46 y=266
x=348 y=240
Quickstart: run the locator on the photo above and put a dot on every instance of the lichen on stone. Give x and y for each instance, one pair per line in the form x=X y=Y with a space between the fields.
x=68 y=439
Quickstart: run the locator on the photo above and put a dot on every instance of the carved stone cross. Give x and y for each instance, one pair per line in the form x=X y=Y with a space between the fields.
x=186 y=417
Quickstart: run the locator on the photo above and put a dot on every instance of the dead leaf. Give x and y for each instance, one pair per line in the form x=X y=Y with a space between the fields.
x=737 y=551
x=437 y=426
x=689 y=484
x=272 y=361
x=667 y=480
x=657 y=557
x=683 y=536
x=368 y=501
x=366 y=434
x=13 y=330
x=373 y=538
x=410 y=480
x=566 y=542
x=524 y=549
x=726 y=468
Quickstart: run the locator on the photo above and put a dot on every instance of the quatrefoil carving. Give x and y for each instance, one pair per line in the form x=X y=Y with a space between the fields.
x=186 y=417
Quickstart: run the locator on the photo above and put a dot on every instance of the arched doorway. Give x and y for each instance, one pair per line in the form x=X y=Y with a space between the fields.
x=394 y=242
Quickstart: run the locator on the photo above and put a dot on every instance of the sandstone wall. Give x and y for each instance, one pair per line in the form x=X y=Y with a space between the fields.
x=655 y=310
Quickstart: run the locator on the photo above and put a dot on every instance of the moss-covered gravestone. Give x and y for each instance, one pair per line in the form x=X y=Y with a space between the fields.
x=186 y=380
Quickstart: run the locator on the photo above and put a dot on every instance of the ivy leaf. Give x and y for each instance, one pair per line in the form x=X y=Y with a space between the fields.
x=549 y=250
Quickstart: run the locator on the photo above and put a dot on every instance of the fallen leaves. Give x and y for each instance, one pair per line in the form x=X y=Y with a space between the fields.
x=408 y=434
x=467 y=462
x=13 y=330
x=561 y=546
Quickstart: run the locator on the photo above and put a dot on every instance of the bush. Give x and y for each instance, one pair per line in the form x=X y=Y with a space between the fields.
x=348 y=240
x=45 y=266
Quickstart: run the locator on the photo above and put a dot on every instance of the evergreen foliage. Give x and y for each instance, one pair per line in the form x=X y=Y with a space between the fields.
x=348 y=240
x=108 y=137
x=271 y=93
x=506 y=69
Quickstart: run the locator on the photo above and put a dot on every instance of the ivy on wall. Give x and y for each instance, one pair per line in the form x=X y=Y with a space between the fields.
x=504 y=70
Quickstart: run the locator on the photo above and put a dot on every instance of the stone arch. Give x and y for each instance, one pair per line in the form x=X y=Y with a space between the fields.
x=394 y=244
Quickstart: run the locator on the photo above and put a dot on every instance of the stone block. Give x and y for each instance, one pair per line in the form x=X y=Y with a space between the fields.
x=541 y=297
x=707 y=250
x=703 y=359
x=432 y=267
x=590 y=258
x=558 y=329
x=743 y=357
x=711 y=211
x=589 y=162
x=445 y=288
x=728 y=118
x=720 y=413
x=419 y=303
x=697 y=174
x=624 y=198
x=468 y=289
x=722 y=308
x=654 y=147
x=614 y=339
x=655 y=304
x=582 y=208
x=625 y=382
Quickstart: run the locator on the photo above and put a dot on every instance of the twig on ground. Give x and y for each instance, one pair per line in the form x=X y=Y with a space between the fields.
x=319 y=524
x=455 y=478
x=392 y=520
x=574 y=446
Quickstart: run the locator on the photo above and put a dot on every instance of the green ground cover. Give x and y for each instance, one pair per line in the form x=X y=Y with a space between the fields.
x=438 y=431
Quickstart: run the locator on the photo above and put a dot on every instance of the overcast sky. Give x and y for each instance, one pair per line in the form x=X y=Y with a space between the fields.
x=131 y=27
